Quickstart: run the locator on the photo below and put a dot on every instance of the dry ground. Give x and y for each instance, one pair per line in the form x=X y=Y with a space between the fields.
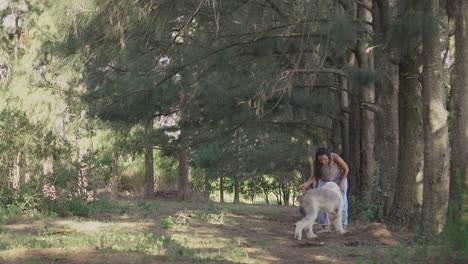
x=204 y=233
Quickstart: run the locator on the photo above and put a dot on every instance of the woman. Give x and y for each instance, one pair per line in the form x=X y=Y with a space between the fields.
x=326 y=167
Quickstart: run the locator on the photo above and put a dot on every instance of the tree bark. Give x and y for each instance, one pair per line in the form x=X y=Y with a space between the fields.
x=221 y=189
x=367 y=96
x=351 y=114
x=48 y=163
x=115 y=172
x=17 y=171
x=149 y=163
x=184 y=181
x=286 y=193
x=386 y=144
x=436 y=145
x=236 y=187
x=344 y=120
x=354 y=136
x=458 y=14
x=406 y=206
x=207 y=187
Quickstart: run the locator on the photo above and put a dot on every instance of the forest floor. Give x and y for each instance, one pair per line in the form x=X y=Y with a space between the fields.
x=155 y=231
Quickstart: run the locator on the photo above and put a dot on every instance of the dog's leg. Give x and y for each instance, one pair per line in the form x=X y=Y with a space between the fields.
x=311 y=219
x=336 y=221
x=299 y=226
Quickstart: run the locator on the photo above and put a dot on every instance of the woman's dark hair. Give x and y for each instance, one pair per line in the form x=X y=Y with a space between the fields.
x=317 y=164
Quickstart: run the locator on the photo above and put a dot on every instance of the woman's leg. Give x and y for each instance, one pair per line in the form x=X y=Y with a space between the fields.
x=344 y=214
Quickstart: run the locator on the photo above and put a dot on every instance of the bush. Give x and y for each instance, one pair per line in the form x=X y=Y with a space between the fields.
x=26 y=201
x=68 y=207
x=366 y=211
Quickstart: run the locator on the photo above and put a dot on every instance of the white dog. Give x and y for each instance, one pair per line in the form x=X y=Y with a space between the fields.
x=327 y=198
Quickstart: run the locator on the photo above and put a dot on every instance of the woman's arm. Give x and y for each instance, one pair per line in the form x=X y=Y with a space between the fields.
x=312 y=177
x=342 y=164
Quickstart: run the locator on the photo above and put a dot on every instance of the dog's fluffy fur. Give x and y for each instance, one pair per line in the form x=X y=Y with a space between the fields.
x=327 y=198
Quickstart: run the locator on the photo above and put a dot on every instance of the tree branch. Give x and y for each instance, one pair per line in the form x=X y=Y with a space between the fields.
x=370 y=107
x=320 y=70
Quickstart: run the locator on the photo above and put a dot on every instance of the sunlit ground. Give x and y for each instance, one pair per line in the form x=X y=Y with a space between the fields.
x=174 y=232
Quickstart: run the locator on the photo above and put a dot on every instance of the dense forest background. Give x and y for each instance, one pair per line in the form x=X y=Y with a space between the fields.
x=207 y=98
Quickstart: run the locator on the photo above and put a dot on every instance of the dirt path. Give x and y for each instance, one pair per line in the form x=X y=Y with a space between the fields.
x=200 y=234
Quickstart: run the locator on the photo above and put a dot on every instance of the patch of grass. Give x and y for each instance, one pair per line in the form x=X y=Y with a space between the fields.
x=234 y=252
x=148 y=206
x=213 y=218
x=104 y=205
x=167 y=222
x=194 y=233
x=34 y=260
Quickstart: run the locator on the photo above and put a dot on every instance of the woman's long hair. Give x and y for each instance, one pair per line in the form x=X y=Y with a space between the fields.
x=317 y=164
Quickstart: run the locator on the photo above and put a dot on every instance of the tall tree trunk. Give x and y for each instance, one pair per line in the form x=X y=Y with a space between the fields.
x=183 y=181
x=207 y=187
x=82 y=140
x=286 y=193
x=221 y=188
x=407 y=202
x=354 y=136
x=386 y=144
x=266 y=193
x=149 y=162
x=458 y=12
x=115 y=172
x=17 y=171
x=48 y=163
x=344 y=119
x=236 y=187
x=367 y=96
x=436 y=147
x=351 y=113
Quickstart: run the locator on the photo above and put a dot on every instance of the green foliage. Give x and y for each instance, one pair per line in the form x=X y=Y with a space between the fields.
x=455 y=233
x=69 y=207
x=215 y=85
x=19 y=137
x=366 y=211
x=167 y=222
x=28 y=201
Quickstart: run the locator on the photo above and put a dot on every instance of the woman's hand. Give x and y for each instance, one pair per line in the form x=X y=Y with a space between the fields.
x=304 y=186
x=341 y=187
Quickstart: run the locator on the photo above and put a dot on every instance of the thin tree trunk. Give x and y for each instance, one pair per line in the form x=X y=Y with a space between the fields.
x=48 y=163
x=221 y=188
x=115 y=172
x=279 y=196
x=367 y=96
x=436 y=147
x=149 y=163
x=344 y=120
x=236 y=187
x=286 y=193
x=17 y=171
x=183 y=182
x=207 y=188
x=267 y=200
x=84 y=169
x=354 y=137
x=351 y=114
